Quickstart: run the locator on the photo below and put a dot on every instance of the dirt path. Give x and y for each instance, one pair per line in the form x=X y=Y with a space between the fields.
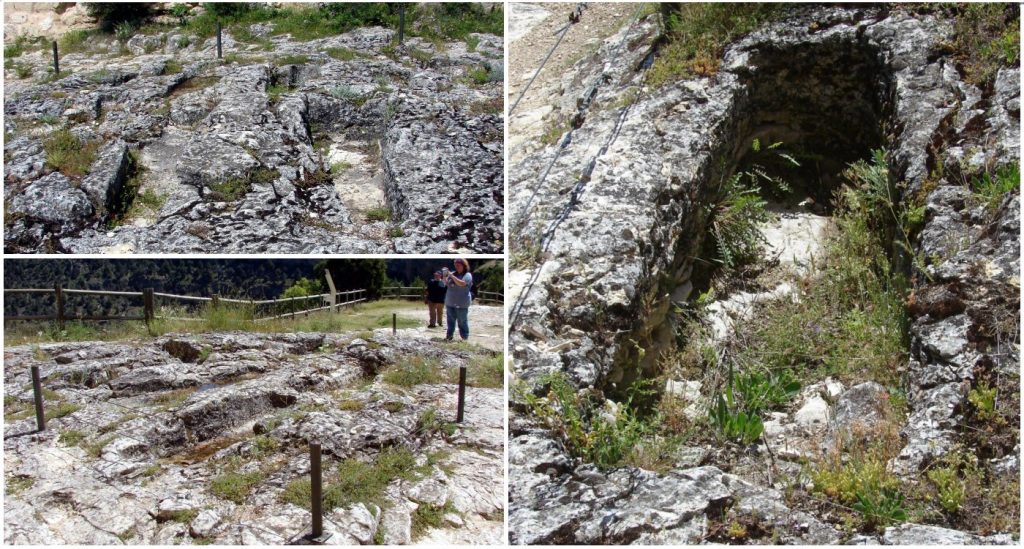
x=486 y=325
x=599 y=21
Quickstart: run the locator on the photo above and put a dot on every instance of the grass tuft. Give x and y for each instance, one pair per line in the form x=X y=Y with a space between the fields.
x=68 y=154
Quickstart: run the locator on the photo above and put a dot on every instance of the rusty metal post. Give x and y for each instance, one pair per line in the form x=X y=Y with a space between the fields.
x=401 y=23
x=219 y=51
x=316 y=490
x=59 y=301
x=147 y=305
x=394 y=324
x=56 y=59
x=462 y=395
x=37 y=394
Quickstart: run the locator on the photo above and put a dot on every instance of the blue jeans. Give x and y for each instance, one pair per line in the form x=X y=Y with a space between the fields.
x=460 y=314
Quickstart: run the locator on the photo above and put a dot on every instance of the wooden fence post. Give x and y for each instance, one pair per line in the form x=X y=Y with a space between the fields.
x=56 y=59
x=462 y=395
x=316 y=490
x=394 y=324
x=59 y=301
x=147 y=305
x=215 y=301
x=219 y=55
x=37 y=394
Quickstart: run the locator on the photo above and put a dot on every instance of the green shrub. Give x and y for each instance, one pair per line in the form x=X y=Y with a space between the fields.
x=18 y=484
x=349 y=94
x=297 y=492
x=343 y=54
x=95 y=449
x=69 y=154
x=477 y=76
x=597 y=435
x=847 y=480
x=71 y=437
x=75 y=41
x=22 y=71
x=21 y=44
x=173 y=66
x=986 y=38
x=235 y=188
x=378 y=214
x=428 y=516
x=416 y=370
x=183 y=516
x=359 y=482
x=950 y=488
x=983 y=398
x=698 y=33
x=235 y=486
x=60 y=410
x=760 y=391
x=124 y=31
x=430 y=423
x=989 y=189
x=291 y=59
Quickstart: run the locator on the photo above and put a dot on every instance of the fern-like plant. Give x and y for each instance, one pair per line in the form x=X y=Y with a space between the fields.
x=735 y=223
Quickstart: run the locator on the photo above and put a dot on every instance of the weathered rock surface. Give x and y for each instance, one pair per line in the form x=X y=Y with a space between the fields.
x=236 y=155
x=607 y=223
x=149 y=427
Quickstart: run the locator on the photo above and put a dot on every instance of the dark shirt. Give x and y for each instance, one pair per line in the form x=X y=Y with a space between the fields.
x=436 y=291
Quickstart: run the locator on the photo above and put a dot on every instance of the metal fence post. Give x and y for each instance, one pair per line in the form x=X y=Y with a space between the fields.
x=219 y=52
x=59 y=301
x=462 y=395
x=401 y=23
x=56 y=59
x=316 y=490
x=37 y=394
x=394 y=324
x=147 y=305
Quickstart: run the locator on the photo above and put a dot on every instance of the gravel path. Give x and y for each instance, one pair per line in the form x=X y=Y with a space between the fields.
x=486 y=325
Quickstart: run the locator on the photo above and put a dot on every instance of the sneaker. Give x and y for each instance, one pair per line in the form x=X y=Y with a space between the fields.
x=430 y=325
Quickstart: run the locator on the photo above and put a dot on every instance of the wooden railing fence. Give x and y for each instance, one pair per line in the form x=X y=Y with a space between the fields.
x=417 y=292
x=272 y=307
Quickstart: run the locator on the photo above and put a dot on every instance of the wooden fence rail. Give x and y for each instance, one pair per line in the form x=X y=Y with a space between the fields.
x=417 y=292
x=148 y=297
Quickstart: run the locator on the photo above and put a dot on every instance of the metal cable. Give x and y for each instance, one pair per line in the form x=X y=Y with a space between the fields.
x=577 y=191
x=573 y=19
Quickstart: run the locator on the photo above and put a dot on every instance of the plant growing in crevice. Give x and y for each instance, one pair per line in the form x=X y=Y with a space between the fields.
x=604 y=434
x=734 y=424
x=880 y=508
x=68 y=154
x=735 y=220
x=762 y=391
x=990 y=188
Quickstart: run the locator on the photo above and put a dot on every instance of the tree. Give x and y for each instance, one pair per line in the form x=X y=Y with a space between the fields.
x=353 y=274
x=109 y=14
x=490 y=277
